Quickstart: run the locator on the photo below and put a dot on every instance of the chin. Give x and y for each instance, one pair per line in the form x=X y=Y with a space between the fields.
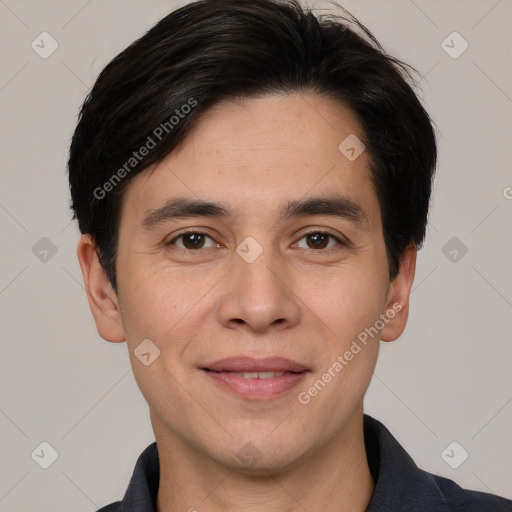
x=261 y=457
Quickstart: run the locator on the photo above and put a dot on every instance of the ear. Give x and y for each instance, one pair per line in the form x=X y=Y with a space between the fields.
x=397 y=308
x=100 y=294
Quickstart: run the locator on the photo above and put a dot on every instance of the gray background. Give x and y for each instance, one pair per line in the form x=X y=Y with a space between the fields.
x=447 y=379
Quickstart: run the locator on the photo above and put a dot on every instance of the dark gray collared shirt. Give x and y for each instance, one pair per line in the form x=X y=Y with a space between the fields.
x=399 y=484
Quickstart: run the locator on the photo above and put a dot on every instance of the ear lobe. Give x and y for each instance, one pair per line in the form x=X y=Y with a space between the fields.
x=100 y=294
x=397 y=308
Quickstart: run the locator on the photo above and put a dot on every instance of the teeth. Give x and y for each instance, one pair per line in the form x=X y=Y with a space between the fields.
x=258 y=375
x=251 y=375
x=269 y=375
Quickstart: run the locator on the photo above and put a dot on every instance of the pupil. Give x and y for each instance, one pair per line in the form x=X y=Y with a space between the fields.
x=318 y=239
x=194 y=240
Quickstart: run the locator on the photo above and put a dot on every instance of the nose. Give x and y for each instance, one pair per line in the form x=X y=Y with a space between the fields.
x=259 y=295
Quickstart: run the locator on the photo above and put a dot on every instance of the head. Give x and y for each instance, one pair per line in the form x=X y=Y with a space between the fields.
x=252 y=180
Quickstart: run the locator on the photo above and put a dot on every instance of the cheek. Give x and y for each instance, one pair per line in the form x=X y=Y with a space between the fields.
x=161 y=303
x=347 y=301
x=164 y=308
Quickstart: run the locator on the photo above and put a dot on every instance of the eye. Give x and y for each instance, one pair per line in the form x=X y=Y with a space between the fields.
x=193 y=240
x=319 y=240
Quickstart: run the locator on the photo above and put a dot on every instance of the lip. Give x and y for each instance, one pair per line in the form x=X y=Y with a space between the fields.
x=224 y=373
x=252 y=364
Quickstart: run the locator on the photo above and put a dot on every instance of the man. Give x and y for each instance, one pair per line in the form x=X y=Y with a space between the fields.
x=252 y=184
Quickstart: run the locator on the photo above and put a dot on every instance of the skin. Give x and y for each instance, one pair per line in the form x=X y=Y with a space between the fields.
x=295 y=300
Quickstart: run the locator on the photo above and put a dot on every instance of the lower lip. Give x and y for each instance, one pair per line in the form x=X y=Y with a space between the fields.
x=256 y=389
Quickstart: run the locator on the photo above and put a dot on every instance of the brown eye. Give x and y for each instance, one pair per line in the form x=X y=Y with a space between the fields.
x=319 y=240
x=192 y=241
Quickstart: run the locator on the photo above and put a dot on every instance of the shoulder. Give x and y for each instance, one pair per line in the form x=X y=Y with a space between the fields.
x=401 y=485
x=113 y=507
x=143 y=486
x=464 y=500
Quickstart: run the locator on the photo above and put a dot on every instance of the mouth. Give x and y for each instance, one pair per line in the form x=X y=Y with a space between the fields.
x=256 y=379
x=254 y=375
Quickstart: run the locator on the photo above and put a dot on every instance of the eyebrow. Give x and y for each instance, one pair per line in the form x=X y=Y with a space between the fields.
x=185 y=208
x=333 y=206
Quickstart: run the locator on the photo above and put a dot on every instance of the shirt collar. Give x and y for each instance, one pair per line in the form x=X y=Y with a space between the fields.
x=398 y=481
x=143 y=487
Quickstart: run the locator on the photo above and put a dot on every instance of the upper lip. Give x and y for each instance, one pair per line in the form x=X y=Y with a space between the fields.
x=251 y=364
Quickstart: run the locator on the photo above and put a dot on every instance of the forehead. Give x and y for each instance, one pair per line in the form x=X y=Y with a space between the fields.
x=259 y=152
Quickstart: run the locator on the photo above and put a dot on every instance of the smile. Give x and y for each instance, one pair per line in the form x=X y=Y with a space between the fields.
x=256 y=379
x=258 y=375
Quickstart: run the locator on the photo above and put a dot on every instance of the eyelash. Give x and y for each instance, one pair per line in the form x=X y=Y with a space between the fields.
x=314 y=232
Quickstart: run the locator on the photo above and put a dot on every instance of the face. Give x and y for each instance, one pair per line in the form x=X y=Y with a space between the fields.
x=252 y=257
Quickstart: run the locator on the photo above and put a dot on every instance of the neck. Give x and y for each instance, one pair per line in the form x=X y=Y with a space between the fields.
x=334 y=476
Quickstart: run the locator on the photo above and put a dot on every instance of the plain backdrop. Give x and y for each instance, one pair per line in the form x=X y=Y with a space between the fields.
x=448 y=379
